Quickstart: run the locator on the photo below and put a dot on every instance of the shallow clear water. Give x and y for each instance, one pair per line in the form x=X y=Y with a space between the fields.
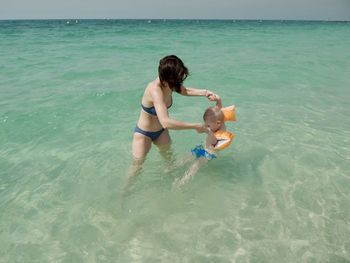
x=70 y=97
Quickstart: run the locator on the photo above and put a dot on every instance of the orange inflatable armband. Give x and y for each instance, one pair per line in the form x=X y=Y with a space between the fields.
x=224 y=138
x=229 y=113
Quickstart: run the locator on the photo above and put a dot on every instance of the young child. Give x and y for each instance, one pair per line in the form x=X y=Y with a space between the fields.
x=217 y=139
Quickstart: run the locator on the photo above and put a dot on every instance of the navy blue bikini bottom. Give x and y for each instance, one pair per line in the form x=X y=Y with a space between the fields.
x=152 y=135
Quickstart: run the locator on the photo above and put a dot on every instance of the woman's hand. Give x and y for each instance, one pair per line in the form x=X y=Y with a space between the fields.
x=201 y=128
x=211 y=95
x=214 y=97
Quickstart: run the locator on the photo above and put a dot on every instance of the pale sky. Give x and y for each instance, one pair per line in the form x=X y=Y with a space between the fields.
x=177 y=9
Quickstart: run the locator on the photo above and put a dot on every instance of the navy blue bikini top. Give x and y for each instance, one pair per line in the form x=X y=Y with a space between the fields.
x=152 y=110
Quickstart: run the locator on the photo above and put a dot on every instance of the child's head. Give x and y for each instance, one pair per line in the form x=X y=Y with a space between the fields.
x=213 y=118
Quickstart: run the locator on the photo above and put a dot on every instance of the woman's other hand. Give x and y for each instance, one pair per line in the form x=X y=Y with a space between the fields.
x=201 y=128
x=214 y=97
x=211 y=96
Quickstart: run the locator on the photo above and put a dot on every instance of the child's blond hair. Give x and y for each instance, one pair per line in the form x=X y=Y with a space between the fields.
x=213 y=113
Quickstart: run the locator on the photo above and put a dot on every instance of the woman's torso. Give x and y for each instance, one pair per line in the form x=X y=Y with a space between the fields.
x=148 y=121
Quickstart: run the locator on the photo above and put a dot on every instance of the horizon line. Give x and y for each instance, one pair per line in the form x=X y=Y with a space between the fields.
x=172 y=19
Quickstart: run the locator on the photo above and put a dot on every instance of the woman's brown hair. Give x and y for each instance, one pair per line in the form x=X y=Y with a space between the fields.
x=172 y=71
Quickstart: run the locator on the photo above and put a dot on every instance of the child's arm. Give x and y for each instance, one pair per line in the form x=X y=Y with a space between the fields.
x=211 y=140
x=218 y=102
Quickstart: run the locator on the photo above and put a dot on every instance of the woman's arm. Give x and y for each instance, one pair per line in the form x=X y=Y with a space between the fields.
x=187 y=91
x=165 y=120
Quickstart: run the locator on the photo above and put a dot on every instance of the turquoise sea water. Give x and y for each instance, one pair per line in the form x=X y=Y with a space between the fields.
x=70 y=97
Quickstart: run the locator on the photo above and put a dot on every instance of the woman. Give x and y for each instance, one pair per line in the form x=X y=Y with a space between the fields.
x=154 y=121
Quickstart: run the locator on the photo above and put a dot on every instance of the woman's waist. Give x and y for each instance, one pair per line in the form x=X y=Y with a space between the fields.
x=149 y=123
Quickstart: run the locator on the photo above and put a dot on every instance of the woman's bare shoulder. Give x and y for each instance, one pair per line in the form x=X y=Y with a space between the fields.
x=151 y=89
x=153 y=86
